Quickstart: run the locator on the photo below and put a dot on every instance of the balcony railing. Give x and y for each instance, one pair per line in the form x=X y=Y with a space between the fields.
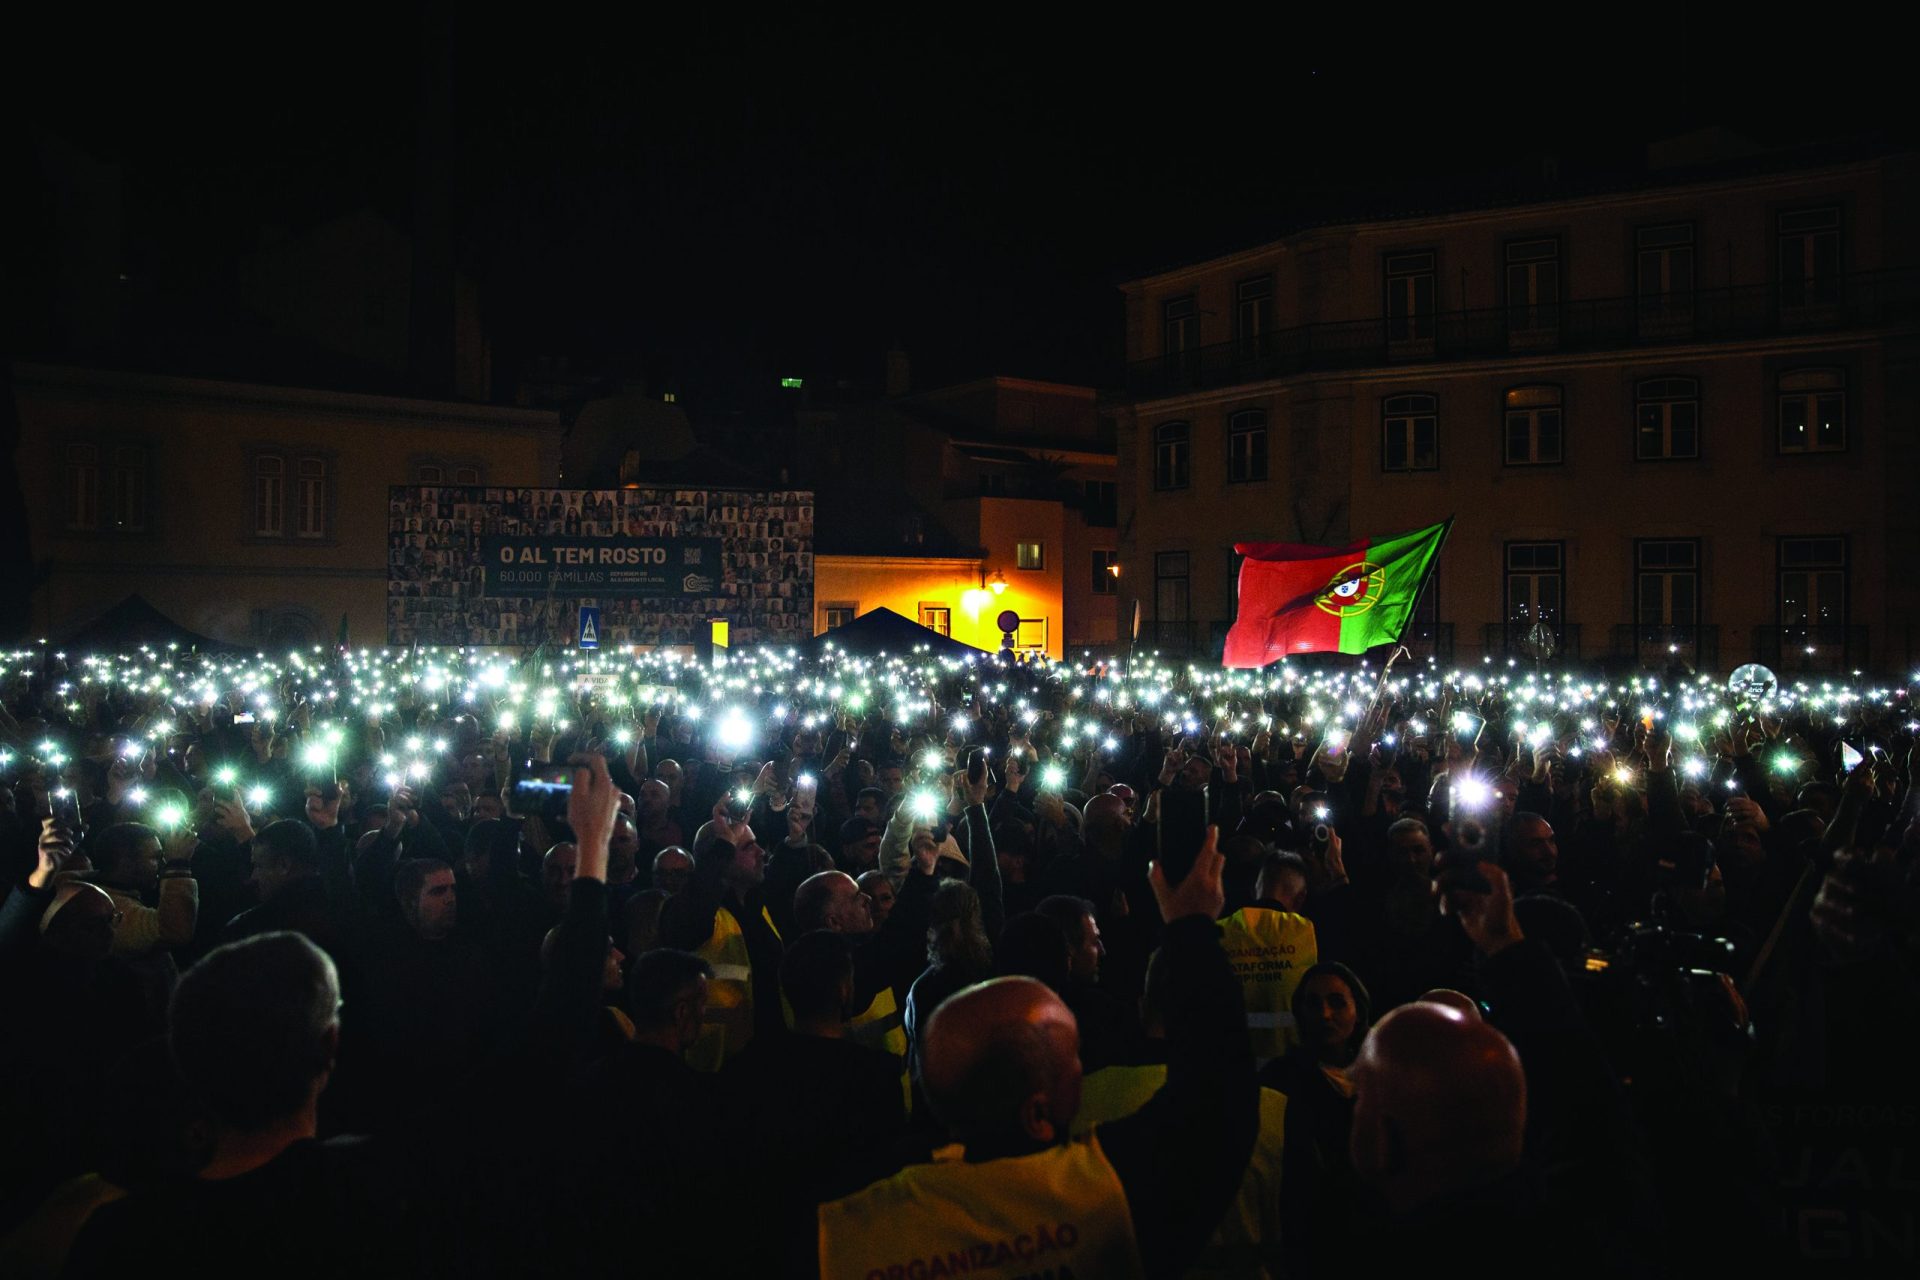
x=1864 y=300
x=1658 y=646
x=1811 y=648
x=1508 y=640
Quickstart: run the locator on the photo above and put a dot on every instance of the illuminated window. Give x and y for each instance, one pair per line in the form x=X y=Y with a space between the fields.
x=1032 y=635
x=1030 y=555
x=1666 y=417
x=1409 y=433
x=838 y=614
x=1813 y=411
x=1533 y=426
x=269 y=496
x=937 y=617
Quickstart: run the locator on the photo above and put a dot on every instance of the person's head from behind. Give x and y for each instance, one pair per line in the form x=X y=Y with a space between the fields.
x=832 y=900
x=127 y=854
x=817 y=976
x=254 y=1028
x=78 y=924
x=1032 y=946
x=490 y=845
x=424 y=887
x=1074 y=917
x=1331 y=1009
x=955 y=932
x=1440 y=1105
x=281 y=853
x=1103 y=824
x=1283 y=881
x=1001 y=1065
x=667 y=997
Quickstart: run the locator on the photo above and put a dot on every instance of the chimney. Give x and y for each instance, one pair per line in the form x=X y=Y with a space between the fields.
x=899 y=373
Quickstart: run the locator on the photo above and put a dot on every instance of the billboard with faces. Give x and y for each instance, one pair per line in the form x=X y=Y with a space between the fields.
x=512 y=566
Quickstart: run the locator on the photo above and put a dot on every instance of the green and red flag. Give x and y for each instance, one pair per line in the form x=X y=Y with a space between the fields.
x=1298 y=598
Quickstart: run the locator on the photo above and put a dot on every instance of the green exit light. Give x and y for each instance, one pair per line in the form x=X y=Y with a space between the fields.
x=793 y=384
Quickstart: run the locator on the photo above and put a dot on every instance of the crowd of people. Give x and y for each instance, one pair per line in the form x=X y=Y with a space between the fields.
x=907 y=967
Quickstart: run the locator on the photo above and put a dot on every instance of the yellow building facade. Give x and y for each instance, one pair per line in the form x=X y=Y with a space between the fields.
x=251 y=514
x=1670 y=421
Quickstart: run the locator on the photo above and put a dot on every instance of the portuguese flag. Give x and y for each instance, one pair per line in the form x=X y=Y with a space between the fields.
x=1296 y=598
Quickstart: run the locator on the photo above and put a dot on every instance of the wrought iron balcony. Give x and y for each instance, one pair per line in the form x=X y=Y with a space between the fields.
x=1658 y=646
x=1864 y=300
x=1508 y=640
x=1811 y=648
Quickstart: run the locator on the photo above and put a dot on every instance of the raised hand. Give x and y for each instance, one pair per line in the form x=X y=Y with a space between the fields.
x=1200 y=894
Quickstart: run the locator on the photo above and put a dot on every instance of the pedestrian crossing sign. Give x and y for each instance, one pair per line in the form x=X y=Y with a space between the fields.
x=589 y=626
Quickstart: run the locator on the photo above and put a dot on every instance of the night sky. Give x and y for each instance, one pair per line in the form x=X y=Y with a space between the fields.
x=714 y=204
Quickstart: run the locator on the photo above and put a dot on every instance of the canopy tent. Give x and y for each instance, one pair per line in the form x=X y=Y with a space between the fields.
x=883 y=630
x=134 y=621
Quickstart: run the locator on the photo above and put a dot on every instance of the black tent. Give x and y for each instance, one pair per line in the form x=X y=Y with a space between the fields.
x=883 y=630
x=134 y=621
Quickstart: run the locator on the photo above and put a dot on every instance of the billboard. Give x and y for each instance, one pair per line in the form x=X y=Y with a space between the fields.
x=511 y=566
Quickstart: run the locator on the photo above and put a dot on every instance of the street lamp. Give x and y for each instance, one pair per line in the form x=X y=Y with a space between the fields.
x=997 y=583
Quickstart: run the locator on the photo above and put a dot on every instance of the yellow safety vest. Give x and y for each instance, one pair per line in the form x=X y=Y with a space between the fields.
x=1269 y=950
x=728 y=1024
x=883 y=1026
x=1248 y=1238
x=1059 y=1211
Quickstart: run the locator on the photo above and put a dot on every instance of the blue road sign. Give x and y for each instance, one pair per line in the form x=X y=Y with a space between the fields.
x=589 y=626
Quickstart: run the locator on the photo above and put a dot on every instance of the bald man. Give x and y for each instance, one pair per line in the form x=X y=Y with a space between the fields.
x=1440 y=1106
x=1138 y=1196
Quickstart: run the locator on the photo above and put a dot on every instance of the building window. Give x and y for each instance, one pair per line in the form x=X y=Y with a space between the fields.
x=1425 y=622
x=1533 y=286
x=1667 y=582
x=467 y=476
x=1170 y=443
x=127 y=492
x=1410 y=297
x=1170 y=596
x=429 y=473
x=1253 y=315
x=937 y=617
x=838 y=614
x=1813 y=411
x=1030 y=555
x=1247 y=446
x=1106 y=578
x=1536 y=583
x=1179 y=326
x=1666 y=419
x=269 y=496
x=1534 y=426
x=1409 y=433
x=312 y=497
x=83 y=486
x=1810 y=258
x=1103 y=503
x=1813 y=582
x=1031 y=636
x=1663 y=266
